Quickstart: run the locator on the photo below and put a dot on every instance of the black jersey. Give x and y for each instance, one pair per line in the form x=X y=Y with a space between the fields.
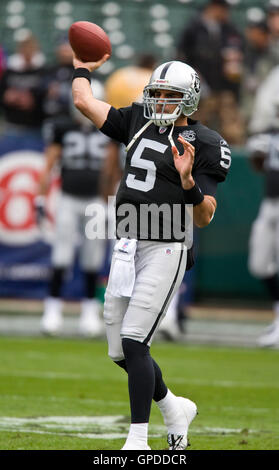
x=150 y=176
x=27 y=84
x=58 y=85
x=83 y=151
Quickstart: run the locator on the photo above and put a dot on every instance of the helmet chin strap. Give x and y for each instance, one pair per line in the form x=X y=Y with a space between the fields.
x=170 y=136
x=136 y=136
x=162 y=122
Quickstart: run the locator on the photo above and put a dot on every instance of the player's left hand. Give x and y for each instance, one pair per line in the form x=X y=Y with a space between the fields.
x=184 y=163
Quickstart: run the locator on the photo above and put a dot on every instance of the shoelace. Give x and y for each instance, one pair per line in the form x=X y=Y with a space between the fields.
x=174 y=441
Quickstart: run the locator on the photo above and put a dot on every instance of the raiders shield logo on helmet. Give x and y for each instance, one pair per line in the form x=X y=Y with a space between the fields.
x=197 y=83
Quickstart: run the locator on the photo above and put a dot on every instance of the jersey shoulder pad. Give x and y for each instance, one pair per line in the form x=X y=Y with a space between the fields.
x=137 y=106
x=215 y=154
x=137 y=119
x=137 y=111
x=207 y=136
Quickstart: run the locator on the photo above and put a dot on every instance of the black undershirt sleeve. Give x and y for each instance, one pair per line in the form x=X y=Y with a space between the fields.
x=207 y=184
x=116 y=125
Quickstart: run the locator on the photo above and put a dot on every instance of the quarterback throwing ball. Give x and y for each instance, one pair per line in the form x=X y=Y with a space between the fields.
x=172 y=161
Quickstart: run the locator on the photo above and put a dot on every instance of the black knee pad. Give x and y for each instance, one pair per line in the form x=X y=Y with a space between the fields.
x=121 y=363
x=132 y=348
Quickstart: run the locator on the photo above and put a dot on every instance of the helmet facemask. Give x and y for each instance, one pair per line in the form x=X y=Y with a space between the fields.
x=151 y=104
x=177 y=77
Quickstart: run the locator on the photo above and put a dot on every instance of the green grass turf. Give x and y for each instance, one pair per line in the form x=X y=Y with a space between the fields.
x=236 y=391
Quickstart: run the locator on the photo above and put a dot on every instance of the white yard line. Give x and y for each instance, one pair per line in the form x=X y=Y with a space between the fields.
x=118 y=403
x=93 y=427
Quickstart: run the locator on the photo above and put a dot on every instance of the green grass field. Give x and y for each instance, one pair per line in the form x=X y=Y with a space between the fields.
x=68 y=395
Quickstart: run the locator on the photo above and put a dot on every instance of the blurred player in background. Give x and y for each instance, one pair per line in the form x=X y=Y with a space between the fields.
x=79 y=148
x=255 y=60
x=264 y=150
x=58 y=100
x=273 y=27
x=207 y=41
x=146 y=271
x=213 y=46
x=21 y=88
x=264 y=238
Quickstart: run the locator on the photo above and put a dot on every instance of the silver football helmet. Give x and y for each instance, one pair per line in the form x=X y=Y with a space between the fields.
x=174 y=76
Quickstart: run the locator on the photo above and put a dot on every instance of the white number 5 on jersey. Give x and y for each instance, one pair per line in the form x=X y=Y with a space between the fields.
x=143 y=163
x=226 y=158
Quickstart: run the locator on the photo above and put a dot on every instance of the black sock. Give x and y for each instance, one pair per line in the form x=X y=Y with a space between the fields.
x=56 y=282
x=272 y=284
x=141 y=379
x=160 y=389
x=122 y=364
x=90 y=284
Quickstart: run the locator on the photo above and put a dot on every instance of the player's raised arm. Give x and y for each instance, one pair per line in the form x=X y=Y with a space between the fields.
x=83 y=97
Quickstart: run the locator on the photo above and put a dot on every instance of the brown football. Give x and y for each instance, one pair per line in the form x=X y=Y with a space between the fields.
x=89 y=41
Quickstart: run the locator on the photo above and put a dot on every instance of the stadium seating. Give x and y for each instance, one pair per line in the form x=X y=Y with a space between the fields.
x=134 y=26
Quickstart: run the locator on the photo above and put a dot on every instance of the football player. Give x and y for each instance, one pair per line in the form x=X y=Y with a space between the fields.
x=171 y=161
x=80 y=150
x=172 y=326
x=264 y=238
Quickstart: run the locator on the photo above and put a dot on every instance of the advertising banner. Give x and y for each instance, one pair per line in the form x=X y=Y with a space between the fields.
x=24 y=247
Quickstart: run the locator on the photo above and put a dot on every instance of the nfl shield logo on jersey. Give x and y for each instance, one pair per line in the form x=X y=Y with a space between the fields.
x=162 y=130
x=190 y=136
x=124 y=246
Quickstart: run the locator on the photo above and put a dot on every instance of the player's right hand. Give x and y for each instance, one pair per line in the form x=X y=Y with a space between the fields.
x=184 y=163
x=39 y=207
x=89 y=65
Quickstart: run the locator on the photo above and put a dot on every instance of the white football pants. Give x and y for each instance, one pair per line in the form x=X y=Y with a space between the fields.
x=70 y=232
x=160 y=268
x=263 y=258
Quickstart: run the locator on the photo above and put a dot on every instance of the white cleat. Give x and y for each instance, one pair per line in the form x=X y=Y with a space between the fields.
x=189 y=412
x=271 y=336
x=52 y=319
x=91 y=324
x=135 y=446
